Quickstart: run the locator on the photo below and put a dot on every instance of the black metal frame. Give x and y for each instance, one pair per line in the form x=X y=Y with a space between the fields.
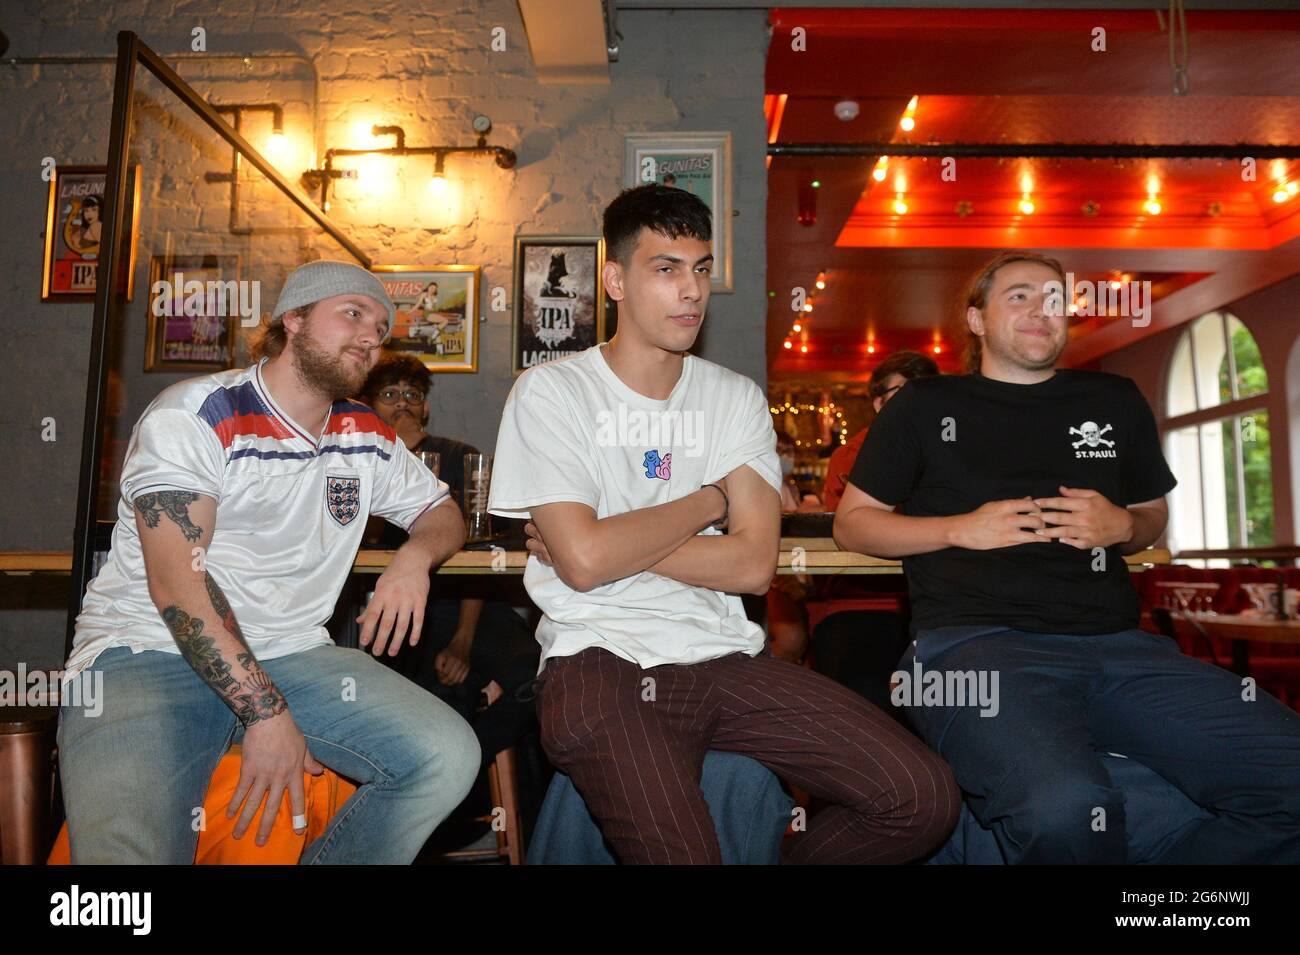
x=132 y=51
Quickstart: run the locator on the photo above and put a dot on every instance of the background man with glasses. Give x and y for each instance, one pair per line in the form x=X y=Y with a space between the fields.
x=467 y=642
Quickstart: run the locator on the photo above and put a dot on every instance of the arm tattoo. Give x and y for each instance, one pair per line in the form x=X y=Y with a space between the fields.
x=175 y=504
x=252 y=699
x=222 y=606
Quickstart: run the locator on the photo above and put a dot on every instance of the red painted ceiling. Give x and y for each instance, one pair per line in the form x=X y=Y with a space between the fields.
x=1020 y=77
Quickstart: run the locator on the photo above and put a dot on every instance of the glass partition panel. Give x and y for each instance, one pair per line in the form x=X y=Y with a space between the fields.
x=214 y=237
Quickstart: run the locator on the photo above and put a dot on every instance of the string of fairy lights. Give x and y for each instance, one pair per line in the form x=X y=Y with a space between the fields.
x=838 y=424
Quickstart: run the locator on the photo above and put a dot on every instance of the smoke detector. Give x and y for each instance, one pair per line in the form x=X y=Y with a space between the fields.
x=846 y=110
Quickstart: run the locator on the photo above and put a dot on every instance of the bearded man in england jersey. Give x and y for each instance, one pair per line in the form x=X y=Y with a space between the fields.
x=244 y=495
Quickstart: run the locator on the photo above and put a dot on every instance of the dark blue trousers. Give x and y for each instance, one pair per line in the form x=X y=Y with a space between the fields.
x=1033 y=771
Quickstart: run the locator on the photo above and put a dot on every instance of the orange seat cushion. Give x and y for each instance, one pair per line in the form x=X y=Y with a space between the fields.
x=218 y=846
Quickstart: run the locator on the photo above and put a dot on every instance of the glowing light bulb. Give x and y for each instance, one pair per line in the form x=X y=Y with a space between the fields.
x=787 y=344
x=908 y=122
x=277 y=146
x=1027 y=206
x=1152 y=206
x=1281 y=195
x=804 y=349
x=881 y=169
x=362 y=133
x=871 y=349
x=900 y=207
x=807 y=306
x=796 y=328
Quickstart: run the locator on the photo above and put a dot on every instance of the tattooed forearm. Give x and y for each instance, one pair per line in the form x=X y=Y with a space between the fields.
x=174 y=504
x=252 y=699
x=222 y=606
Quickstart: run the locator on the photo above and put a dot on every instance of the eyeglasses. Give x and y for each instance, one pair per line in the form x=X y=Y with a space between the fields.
x=389 y=396
x=889 y=391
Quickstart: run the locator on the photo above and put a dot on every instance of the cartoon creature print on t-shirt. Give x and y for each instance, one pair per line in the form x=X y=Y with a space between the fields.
x=656 y=467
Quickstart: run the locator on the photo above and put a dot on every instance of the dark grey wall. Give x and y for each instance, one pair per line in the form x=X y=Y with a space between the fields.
x=397 y=62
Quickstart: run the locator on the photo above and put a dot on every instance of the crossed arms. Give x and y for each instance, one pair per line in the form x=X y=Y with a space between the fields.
x=587 y=551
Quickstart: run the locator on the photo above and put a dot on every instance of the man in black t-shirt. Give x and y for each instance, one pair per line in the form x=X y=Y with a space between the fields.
x=1012 y=494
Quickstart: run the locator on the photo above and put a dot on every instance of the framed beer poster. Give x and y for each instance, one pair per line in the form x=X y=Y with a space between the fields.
x=559 y=298
x=437 y=313
x=74 y=220
x=700 y=163
x=193 y=310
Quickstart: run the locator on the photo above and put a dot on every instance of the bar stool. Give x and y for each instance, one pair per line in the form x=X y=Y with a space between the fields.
x=503 y=785
x=27 y=741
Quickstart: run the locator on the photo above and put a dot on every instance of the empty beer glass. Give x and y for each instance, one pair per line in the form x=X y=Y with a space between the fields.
x=478 y=480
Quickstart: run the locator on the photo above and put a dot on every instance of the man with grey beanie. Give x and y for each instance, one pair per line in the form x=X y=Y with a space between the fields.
x=244 y=495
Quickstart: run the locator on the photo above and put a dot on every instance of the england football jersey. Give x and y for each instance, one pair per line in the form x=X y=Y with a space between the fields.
x=291 y=510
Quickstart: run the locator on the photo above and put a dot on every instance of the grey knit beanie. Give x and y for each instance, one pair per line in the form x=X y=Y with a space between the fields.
x=314 y=281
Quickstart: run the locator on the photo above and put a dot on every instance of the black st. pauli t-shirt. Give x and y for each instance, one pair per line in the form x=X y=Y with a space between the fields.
x=950 y=444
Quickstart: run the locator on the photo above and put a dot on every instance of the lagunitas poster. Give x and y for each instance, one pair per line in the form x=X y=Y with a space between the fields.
x=699 y=163
x=559 y=301
x=437 y=313
x=74 y=231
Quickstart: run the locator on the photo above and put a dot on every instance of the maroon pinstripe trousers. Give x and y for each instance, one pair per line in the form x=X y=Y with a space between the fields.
x=635 y=752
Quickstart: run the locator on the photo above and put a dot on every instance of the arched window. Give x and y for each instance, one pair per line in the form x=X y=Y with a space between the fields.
x=1217 y=439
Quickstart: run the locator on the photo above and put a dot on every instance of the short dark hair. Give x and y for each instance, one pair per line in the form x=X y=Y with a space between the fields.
x=394 y=367
x=671 y=212
x=977 y=295
x=910 y=364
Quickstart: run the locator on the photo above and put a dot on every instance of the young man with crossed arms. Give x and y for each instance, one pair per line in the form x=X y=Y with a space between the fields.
x=625 y=457
x=244 y=497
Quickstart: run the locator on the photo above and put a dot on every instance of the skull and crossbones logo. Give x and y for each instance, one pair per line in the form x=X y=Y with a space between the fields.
x=1091 y=435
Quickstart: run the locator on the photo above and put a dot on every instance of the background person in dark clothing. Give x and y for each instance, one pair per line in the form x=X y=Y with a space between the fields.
x=466 y=642
x=860 y=648
x=1022 y=486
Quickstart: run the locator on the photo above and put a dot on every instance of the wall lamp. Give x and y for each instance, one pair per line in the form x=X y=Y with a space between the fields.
x=321 y=178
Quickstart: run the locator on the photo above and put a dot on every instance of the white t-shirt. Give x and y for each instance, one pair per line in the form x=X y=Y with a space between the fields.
x=290 y=512
x=573 y=431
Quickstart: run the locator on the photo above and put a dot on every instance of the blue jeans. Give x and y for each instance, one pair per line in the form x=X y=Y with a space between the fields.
x=1034 y=773
x=134 y=774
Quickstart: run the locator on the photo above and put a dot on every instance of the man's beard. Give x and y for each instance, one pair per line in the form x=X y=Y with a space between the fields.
x=330 y=375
